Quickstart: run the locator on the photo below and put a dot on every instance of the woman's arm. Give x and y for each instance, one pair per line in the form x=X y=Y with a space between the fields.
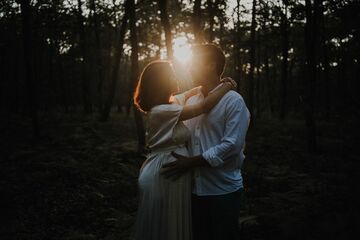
x=213 y=98
x=191 y=92
x=183 y=97
x=191 y=111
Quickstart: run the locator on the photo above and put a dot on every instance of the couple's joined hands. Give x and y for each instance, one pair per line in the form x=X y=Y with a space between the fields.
x=229 y=80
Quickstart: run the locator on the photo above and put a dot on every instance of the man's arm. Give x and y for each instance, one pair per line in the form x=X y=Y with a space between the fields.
x=236 y=125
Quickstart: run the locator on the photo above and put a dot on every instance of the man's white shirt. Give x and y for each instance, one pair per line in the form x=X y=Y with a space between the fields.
x=219 y=136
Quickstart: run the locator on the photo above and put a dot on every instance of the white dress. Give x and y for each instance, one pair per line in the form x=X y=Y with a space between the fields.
x=164 y=211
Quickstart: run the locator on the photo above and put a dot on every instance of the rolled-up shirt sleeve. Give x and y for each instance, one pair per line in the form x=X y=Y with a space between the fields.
x=237 y=118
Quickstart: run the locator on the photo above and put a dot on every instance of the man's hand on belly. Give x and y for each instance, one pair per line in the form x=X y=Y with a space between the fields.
x=181 y=165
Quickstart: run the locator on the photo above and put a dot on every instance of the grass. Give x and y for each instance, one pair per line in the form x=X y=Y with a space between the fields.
x=79 y=181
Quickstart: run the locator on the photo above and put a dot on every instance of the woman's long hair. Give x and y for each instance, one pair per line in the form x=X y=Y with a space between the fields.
x=154 y=85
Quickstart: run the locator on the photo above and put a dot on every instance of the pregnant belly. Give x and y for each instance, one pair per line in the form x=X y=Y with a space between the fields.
x=150 y=173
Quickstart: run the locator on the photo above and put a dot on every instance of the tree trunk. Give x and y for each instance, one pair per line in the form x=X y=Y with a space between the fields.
x=196 y=21
x=258 y=78
x=310 y=48
x=167 y=28
x=134 y=76
x=284 y=62
x=221 y=34
x=252 y=57
x=290 y=85
x=210 y=9
x=84 y=76
x=237 y=57
x=31 y=83
x=267 y=78
x=325 y=76
x=99 y=65
x=117 y=57
x=52 y=76
x=64 y=85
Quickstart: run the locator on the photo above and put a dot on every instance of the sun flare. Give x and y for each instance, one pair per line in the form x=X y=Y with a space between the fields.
x=182 y=50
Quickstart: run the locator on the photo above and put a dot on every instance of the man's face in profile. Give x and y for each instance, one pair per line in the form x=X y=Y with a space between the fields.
x=197 y=69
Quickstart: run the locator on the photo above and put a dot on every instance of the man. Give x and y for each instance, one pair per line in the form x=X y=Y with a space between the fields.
x=217 y=143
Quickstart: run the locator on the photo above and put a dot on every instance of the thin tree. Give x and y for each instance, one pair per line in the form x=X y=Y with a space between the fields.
x=167 y=28
x=266 y=86
x=284 y=61
x=311 y=11
x=211 y=12
x=325 y=59
x=84 y=76
x=252 y=56
x=196 y=21
x=258 y=92
x=237 y=39
x=31 y=83
x=116 y=65
x=98 y=60
x=134 y=75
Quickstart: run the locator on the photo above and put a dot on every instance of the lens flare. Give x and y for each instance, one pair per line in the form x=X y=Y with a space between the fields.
x=182 y=50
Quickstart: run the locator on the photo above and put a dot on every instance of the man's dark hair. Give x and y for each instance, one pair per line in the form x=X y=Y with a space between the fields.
x=210 y=52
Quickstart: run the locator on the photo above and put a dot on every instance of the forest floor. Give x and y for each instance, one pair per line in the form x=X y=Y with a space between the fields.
x=79 y=180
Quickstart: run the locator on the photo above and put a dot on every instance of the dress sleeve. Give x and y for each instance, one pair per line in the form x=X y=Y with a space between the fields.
x=162 y=121
x=180 y=99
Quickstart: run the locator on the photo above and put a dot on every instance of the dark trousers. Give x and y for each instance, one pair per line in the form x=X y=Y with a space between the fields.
x=216 y=217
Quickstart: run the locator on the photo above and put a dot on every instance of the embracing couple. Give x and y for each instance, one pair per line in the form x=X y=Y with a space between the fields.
x=190 y=184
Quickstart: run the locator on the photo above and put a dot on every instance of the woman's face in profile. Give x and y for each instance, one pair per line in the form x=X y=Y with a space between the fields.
x=173 y=83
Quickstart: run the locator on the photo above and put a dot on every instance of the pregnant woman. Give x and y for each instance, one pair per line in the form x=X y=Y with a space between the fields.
x=164 y=211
